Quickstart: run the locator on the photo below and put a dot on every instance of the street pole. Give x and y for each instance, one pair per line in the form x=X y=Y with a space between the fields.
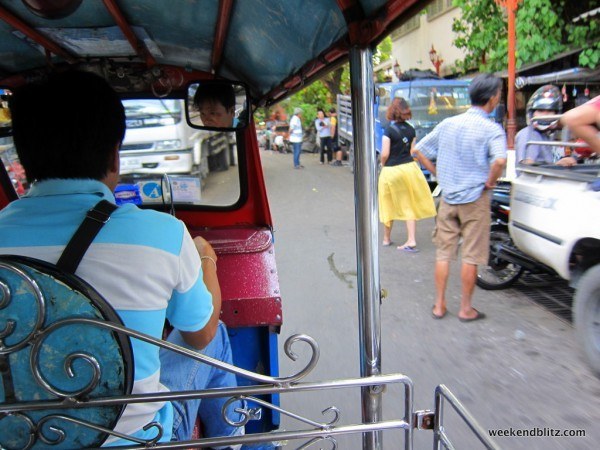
x=511 y=124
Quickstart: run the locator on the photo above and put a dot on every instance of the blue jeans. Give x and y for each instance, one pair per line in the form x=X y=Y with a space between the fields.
x=297 y=150
x=180 y=373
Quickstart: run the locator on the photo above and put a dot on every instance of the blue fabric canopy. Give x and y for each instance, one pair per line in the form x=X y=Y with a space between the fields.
x=267 y=44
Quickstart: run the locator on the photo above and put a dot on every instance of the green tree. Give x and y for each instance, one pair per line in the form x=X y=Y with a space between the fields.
x=544 y=28
x=382 y=53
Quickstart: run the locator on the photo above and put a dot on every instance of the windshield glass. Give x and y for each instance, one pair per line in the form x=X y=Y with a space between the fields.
x=161 y=154
x=432 y=104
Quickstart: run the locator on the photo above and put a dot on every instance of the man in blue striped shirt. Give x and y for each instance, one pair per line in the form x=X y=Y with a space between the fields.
x=470 y=154
x=67 y=131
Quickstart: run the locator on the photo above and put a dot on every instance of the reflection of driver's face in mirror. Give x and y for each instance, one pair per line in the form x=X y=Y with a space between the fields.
x=214 y=114
x=216 y=105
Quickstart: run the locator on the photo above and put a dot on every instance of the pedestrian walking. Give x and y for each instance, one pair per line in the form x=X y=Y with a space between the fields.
x=403 y=190
x=323 y=127
x=296 y=136
x=471 y=154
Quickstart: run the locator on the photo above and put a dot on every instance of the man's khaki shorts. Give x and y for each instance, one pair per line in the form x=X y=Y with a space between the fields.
x=469 y=221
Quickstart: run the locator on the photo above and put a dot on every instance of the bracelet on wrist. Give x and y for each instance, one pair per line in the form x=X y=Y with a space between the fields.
x=202 y=258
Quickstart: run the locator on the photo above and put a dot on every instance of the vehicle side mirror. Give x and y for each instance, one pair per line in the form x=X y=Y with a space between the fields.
x=217 y=105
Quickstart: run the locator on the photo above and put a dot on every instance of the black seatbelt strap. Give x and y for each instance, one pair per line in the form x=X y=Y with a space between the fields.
x=85 y=234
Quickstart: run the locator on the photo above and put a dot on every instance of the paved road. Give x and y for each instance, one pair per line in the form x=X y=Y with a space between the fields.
x=520 y=368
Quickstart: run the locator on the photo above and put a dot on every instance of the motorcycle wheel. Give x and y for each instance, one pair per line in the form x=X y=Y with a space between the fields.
x=499 y=273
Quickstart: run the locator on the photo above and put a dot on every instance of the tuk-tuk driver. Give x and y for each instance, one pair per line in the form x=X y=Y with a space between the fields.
x=216 y=104
x=67 y=131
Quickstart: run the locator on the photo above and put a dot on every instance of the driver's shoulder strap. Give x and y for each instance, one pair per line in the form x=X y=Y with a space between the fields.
x=94 y=220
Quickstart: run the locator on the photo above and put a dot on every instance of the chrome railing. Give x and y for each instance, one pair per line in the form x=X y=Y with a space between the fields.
x=47 y=431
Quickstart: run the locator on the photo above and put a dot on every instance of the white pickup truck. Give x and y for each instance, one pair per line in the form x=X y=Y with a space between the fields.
x=555 y=218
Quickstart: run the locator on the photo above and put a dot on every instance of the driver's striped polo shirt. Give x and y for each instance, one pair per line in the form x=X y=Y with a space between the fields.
x=144 y=263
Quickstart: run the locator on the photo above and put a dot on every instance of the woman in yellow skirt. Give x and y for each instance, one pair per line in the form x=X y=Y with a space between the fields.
x=403 y=191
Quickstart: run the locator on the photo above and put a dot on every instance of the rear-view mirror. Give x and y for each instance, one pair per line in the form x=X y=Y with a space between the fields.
x=217 y=105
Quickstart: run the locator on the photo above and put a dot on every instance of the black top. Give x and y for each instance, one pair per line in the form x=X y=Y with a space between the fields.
x=401 y=135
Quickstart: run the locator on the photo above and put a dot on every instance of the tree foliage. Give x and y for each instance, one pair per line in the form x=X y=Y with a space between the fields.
x=544 y=28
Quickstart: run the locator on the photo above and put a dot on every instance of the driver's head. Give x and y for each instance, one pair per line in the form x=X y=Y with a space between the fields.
x=67 y=126
x=216 y=104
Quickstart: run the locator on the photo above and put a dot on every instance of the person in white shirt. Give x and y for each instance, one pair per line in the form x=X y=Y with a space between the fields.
x=279 y=144
x=296 y=136
x=323 y=127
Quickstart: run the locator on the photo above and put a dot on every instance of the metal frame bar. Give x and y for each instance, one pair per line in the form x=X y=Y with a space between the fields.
x=372 y=383
x=568 y=173
x=366 y=217
x=221 y=29
x=123 y=24
x=66 y=401
x=439 y=433
x=361 y=30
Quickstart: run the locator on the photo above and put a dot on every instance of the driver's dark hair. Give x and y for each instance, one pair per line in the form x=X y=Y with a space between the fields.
x=67 y=126
x=215 y=92
x=483 y=88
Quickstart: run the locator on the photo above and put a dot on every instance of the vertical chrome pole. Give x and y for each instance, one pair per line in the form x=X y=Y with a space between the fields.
x=367 y=250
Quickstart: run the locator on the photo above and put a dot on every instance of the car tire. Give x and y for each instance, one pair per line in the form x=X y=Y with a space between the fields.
x=587 y=315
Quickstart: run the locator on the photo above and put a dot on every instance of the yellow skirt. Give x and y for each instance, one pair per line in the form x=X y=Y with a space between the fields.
x=404 y=194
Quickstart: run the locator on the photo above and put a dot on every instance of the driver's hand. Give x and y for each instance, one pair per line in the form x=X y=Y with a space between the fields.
x=204 y=248
x=569 y=161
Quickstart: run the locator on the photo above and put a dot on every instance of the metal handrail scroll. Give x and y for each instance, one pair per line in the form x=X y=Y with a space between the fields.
x=62 y=405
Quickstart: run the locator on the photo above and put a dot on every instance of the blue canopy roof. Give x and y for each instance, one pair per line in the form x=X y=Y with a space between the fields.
x=273 y=46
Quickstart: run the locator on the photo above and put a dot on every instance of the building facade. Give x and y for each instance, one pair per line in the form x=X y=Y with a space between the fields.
x=412 y=43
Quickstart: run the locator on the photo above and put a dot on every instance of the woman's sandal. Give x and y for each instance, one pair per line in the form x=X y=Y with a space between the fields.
x=408 y=249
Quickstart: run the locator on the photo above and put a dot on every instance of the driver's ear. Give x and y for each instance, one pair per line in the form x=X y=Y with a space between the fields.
x=115 y=163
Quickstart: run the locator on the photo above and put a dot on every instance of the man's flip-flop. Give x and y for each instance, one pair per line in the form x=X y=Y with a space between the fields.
x=436 y=317
x=387 y=244
x=408 y=249
x=479 y=316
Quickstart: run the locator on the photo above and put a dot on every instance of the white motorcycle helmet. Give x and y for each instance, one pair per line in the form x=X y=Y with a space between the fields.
x=546 y=98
